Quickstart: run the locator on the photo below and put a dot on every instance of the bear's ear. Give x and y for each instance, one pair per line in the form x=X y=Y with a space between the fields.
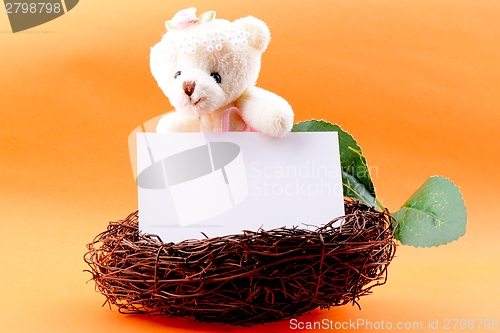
x=259 y=32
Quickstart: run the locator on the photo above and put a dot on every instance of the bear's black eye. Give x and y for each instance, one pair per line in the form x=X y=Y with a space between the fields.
x=216 y=77
x=177 y=74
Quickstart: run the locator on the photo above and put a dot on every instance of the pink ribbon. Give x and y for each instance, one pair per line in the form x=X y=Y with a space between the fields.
x=225 y=120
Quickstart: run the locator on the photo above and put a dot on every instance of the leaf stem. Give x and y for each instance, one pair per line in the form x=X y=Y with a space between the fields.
x=380 y=204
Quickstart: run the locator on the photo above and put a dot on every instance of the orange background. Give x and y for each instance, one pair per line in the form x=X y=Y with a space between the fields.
x=416 y=82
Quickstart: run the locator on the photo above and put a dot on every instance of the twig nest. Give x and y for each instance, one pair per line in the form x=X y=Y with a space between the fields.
x=244 y=279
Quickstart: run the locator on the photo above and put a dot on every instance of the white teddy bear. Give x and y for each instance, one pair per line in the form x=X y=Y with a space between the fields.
x=207 y=68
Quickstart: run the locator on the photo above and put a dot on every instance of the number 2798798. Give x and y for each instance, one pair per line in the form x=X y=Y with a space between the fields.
x=32 y=8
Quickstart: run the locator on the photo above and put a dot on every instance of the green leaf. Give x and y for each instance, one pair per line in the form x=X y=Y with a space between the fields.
x=434 y=215
x=354 y=189
x=355 y=174
x=169 y=26
x=207 y=16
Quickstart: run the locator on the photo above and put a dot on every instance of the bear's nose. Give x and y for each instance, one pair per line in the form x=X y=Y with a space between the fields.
x=189 y=87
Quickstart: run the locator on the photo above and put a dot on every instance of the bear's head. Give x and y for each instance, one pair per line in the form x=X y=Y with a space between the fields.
x=203 y=64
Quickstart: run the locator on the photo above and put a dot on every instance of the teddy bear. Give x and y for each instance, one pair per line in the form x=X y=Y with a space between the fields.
x=207 y=68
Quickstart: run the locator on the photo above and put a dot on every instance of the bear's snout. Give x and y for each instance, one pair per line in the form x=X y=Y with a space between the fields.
x=188 y=87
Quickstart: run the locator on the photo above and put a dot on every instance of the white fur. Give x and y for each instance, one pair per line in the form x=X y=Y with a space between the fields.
x=238 y=65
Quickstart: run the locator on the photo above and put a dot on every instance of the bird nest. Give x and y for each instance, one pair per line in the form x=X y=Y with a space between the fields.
x=248 y=278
